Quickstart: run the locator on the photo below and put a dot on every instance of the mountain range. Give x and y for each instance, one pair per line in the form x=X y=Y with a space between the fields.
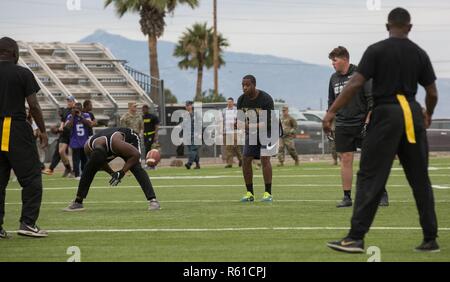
x=300 y=84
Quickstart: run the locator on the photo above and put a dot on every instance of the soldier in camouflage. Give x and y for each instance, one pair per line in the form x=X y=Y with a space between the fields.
x=132 y=119
x=334 y=154
x=287 y=140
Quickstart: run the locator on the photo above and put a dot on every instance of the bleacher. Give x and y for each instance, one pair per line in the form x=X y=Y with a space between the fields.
x=85 y=71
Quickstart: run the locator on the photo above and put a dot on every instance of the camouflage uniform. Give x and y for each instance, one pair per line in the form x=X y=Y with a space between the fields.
x=230 y=136
x=333 y=144
x=287 y=140
x=134 y=122
x=231 y=150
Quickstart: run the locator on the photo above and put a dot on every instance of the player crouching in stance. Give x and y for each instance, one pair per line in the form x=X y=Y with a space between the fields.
x=102 y=148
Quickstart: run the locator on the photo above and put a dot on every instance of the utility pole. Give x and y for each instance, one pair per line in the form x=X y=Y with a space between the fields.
x=216 y=53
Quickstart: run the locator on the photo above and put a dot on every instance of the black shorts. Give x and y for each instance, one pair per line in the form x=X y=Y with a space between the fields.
x=258 y=150
x=348 y=138
x=65 y=136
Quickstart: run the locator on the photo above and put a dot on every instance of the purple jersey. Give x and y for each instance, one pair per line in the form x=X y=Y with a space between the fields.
x=80 y=132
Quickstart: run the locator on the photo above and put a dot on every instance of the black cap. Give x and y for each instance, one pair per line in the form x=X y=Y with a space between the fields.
x=189 y=103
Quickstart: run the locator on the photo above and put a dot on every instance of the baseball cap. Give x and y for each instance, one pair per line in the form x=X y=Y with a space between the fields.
x=70 y=98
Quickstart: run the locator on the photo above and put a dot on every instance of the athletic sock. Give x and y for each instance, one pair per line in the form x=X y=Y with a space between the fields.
x=249 y=188
x=348 y=194
x=268 y=188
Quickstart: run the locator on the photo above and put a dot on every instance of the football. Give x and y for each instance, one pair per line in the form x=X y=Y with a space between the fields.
x=153 y=158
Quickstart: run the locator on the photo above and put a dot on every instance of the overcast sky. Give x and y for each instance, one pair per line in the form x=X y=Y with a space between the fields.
x=300 y=29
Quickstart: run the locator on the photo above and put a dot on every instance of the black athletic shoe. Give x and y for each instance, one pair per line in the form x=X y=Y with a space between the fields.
x=31 y=231
x=347 y=245
x=346 y=202
x=3 y=234
x=428 y=246
x=67 y=172
x=74 y=207
x=384 y=202
x=187 y=166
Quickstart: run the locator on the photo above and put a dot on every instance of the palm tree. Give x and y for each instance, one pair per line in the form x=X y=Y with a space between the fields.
x=152 y=22
x=195 y=47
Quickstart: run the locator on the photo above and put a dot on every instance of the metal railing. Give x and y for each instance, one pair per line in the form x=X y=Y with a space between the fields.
x=145 y=82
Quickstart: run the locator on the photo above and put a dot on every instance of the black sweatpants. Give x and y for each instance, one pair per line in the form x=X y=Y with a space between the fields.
x=385 y=138
x=56 y=158
x=23 y=158
x=93 y=166
x=79 y=160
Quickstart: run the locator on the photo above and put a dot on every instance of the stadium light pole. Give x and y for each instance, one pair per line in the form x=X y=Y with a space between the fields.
x=216 y=52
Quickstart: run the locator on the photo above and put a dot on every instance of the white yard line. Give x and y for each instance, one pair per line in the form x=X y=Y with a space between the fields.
x=231 y=229
x=233 y=176
x=209 y=201
x=441 y=186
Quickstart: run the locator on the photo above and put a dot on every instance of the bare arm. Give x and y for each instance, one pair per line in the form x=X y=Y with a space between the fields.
x=126 y=151
x=369 y=114
x=86 y=122
x=156 y=133
x=69 y=123
x=350 y=90
x=431 y=99
x=107 y=168
x=36 y=113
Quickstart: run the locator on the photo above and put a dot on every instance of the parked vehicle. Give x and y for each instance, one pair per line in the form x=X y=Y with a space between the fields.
x=309 y=138
x=439 y=135
x=314 y=115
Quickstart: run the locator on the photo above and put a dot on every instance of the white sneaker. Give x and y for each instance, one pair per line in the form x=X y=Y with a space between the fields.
x=31 y=231
x=153 y=205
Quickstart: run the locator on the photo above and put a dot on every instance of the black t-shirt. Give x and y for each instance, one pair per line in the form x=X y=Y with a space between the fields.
x=64 y=114
x=89 y=129
x=354 y=113
x=262 y=102
x=150 y=123
x=16 y=83
x=396 y=66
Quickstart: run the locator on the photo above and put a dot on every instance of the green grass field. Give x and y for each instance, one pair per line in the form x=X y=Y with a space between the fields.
x=202 y=219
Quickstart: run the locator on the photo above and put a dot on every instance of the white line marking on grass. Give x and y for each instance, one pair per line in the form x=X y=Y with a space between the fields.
x=442 y=186
x=238 y=176
x=210 y=201
x=429 y=168
x=239 y=229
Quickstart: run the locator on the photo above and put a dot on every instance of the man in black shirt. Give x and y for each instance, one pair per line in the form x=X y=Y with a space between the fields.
x=105 y=146
x=254 y=101
x=62 y=145
x=398 y=126
x=350 y=121
x=18 y=146
x=87 y=108
x=151 y=126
